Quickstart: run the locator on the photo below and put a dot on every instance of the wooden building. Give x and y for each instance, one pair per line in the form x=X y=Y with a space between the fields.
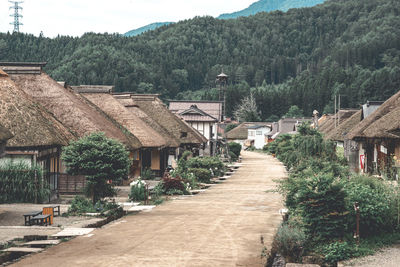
x=378 y=136
x=186 y=137
x=155 y=145
x=37 y=135
x=351 y=147
x=70 y=109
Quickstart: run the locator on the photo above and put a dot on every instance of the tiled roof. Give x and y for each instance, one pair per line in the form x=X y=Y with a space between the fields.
x=213 y=108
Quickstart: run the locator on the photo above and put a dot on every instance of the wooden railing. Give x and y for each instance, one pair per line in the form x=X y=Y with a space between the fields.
x=71 y=184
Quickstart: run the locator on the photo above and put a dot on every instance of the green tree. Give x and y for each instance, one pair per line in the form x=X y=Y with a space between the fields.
x=102 y=160
x=294 y=112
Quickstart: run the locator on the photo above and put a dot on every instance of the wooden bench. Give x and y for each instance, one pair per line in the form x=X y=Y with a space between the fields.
x=28 y=217
x=56 y=209
x=41 y=219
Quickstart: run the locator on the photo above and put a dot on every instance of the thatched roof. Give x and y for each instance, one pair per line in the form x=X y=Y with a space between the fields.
x=93 y=89
x=113 y=108
x=5 y=134
x=129 y=104
x=155 y=109
x=382 y=123
x=328 y=125
x=29 y=122
x=240 y=132
x=344 y=128
x=387 y=126
x=71 y=109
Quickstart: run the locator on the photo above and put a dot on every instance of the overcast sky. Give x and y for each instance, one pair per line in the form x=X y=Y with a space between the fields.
x=75 y=17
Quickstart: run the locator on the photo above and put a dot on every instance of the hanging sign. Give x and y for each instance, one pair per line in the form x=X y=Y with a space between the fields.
x=362 y=161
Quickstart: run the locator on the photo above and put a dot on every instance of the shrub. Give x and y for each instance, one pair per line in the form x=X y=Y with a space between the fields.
x=321 y=201
x=377 y=202
x=338 y=251
x=147 y=174
x=202 y=175
x=17 y=184
x=235 y=148
x=233 y=156
x=80 y=205
x=173 y=183
x=290 y=242
x=210 y=163
x=138 y=191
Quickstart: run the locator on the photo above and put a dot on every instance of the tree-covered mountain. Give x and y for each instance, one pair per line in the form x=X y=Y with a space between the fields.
x=259 y=6
x=270 y=5
x=146 y=28
x=302 y=57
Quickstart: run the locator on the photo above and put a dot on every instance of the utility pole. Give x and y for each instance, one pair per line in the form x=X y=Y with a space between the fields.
x=335 y=111
x=16 y=6
x=339 y=111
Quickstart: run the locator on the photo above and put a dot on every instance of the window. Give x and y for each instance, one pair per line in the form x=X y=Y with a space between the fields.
x=259 y=133
x=251 y=133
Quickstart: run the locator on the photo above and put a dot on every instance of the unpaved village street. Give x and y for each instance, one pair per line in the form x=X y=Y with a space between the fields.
x=219 y=227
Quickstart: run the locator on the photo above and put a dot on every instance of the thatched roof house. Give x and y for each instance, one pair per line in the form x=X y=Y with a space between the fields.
x=155 y=109
x=102 y=99
x=339 y=133
x=328 y=125
x=71 y=109
x=31 y=125
x=238 y=133
x=382 y=123
x=129 y=104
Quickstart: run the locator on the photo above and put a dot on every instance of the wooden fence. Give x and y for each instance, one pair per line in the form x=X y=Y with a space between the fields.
x=71 y=184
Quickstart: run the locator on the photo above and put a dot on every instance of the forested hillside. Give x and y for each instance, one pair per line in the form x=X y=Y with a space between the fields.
x=301 y=57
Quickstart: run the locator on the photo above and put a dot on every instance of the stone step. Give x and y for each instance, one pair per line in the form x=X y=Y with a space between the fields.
x=23 y=250
x=142 y=208
x=69 y=232
x=194 y=192
x=43 y=243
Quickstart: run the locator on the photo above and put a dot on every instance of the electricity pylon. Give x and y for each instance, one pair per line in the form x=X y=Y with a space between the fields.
x=16 y=6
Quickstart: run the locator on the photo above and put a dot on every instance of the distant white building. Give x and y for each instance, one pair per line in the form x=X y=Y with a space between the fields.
x=258 y=135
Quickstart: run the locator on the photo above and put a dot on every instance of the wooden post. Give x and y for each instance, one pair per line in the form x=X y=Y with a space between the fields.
x=357 y=234
x=36 y=187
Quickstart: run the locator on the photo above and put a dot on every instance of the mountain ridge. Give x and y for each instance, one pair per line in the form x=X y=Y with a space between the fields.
x=256 y=7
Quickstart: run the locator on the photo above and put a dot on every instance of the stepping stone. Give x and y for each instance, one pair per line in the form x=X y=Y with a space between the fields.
x=43 y=243
x=142 y=208
x=197 y=191
x=229 y=173
x=23 y=250
x=68 y=232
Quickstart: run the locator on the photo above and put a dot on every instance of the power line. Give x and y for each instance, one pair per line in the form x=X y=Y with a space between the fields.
x=16 y=6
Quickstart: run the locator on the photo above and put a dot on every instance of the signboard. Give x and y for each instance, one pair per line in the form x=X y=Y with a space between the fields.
x=362 y=161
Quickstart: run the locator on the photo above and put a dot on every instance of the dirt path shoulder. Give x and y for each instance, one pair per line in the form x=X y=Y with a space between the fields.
x=219 y=227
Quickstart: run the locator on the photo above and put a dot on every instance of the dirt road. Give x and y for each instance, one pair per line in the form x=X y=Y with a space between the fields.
x=219 y=227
